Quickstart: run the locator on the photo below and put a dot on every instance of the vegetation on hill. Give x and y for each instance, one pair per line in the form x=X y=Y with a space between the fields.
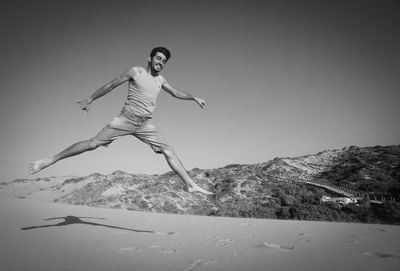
x=283 y=188
x=371 y=173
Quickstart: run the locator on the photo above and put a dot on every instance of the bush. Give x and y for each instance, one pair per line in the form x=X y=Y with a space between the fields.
x=245 y=208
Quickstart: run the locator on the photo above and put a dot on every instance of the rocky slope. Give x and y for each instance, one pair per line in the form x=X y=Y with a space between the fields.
x=280 y=188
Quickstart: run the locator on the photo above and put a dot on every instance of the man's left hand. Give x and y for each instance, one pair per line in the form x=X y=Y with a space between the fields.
x=200 y=102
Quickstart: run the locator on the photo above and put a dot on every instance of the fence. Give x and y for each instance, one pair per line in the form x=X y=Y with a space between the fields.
x=378 y=197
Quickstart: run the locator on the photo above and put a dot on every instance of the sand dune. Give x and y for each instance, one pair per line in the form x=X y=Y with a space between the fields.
x=50 y=236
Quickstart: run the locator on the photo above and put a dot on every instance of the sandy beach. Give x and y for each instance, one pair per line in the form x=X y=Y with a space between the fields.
x=51 y=236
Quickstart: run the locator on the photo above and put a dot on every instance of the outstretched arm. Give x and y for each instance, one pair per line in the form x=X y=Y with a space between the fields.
x=126 y=76
x=183 y=95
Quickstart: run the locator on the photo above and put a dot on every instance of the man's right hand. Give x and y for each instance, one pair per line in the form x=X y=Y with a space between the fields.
x=84 y=105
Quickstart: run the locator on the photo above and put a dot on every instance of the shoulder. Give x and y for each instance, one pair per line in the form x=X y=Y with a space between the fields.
x=134 y=72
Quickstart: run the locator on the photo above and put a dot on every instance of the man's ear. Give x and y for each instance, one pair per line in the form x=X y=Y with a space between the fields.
x=149 y=59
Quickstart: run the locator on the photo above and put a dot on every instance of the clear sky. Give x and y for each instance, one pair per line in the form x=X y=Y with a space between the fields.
x=280 y=78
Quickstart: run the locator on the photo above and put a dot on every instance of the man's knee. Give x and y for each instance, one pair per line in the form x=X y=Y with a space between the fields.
x=94 y=143
x=167 y=151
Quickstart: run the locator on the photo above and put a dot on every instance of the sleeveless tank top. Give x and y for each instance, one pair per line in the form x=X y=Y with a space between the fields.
x=143 y=91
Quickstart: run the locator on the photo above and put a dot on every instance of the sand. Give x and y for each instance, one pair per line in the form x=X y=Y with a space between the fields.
x=37 y=235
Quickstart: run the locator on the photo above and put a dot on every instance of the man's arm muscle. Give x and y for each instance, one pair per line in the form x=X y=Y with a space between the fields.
x=182 y=95
x=176 y=93
x=125 y=76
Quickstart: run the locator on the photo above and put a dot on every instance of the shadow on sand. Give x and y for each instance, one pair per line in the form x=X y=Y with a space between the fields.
x=69 y=220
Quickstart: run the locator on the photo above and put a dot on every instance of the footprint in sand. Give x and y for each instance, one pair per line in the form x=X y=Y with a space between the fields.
x=199 y=263
x=305 y=234
x=352 y=239
x=128 y=249
x=250 y=236
x=163 y=250
x=224 y=242
x=234 y=254
x=166 y=233
x=238 y=253
x=274 y=246
x=307 y=240
x=220 y=241
x=169 y=251
x=381 y=255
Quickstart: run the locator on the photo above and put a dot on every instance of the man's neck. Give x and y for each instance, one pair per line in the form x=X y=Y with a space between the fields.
x=151 y=71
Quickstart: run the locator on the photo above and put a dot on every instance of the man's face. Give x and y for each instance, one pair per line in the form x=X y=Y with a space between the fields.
x=158 y=62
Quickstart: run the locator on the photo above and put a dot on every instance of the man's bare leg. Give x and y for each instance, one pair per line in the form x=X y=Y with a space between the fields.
x=177 y=166
x=75 y=149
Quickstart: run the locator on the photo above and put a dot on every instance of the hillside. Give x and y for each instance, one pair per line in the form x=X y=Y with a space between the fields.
x=284 y=188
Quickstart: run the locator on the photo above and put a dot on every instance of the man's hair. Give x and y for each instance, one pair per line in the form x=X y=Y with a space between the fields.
x=162 y=50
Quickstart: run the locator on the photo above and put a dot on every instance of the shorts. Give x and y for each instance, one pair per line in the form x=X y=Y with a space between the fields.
x=138 y=127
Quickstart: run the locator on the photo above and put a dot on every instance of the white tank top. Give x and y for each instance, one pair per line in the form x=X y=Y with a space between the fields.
x=143 y=91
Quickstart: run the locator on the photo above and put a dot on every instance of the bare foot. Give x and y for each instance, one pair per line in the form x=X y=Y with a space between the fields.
x=198 y=189
x=39 y=165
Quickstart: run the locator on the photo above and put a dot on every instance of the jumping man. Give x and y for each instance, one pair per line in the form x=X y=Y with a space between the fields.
x=144 y=86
